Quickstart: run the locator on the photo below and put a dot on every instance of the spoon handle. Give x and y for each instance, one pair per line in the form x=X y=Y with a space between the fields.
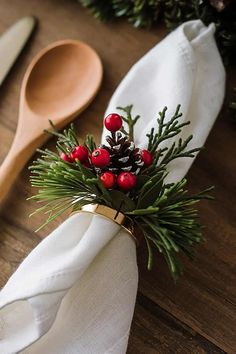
x=13 y=164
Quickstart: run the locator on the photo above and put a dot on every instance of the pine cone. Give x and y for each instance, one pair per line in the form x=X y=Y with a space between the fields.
x=123 y=154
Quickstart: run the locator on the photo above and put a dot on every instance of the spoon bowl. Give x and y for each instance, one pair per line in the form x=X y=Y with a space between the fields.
x=59 y=83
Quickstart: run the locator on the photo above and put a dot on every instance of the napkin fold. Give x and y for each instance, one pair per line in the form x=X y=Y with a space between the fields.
x=76 y=291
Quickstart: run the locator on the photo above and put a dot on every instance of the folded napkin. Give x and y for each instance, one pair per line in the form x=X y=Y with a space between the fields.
x=76 y=291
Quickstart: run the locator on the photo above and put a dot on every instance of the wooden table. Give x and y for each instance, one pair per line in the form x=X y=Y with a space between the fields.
x=197 y=315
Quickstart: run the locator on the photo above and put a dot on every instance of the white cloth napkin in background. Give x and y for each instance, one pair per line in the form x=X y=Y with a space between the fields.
x=75 y=292
x=185 y=68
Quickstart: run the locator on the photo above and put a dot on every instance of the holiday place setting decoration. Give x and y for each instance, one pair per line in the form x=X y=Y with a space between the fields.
x=130 y=180
x=76 y=291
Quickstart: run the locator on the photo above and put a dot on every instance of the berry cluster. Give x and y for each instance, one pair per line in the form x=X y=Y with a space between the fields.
x=100 y=161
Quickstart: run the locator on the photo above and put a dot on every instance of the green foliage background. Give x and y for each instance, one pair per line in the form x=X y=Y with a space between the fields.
x=146 y=13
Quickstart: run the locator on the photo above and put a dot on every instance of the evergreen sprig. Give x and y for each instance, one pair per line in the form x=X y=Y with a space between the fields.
x=129 y=120
x=64 y=186
x=164 y=212
x=170 y=224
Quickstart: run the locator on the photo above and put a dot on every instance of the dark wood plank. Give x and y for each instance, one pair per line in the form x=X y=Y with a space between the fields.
x=156 y=331
x=202 y=304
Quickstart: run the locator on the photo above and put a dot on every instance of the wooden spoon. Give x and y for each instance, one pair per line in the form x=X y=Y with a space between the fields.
x=59 y=84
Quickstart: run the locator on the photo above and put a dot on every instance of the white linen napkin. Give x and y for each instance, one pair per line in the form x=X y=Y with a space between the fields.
x=75 y=292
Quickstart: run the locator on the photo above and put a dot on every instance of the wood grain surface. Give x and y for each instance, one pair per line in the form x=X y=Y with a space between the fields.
x=196 y=315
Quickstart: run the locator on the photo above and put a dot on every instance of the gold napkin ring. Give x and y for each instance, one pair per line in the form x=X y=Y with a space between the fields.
x=112 y=214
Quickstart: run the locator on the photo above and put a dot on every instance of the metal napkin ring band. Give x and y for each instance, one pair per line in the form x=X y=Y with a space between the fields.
x=112 y=214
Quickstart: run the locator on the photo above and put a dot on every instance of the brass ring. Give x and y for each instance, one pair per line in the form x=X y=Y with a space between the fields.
x=112 y=214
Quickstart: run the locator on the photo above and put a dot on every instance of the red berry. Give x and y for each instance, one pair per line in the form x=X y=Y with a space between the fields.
x=108 y=179
x=65 y=157
x=146 y=157
x=80 y=152
x=113 y=122
x=100 y=157
x=126 y=181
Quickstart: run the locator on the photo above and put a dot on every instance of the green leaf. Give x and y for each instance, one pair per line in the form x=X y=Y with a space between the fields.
x=90 y=143
x=121 y=201
x=147 y=211
x=86 y=172
x=141 y=180
x=150 y=254
x=150 y=191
